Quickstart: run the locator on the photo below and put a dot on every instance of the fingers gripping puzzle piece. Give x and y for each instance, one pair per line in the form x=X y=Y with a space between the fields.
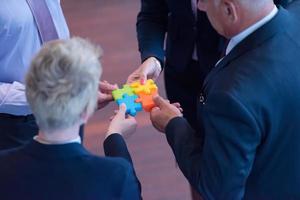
x=148 y=88
x=147 y=101
x=136 y=96
x=132 y=107
x=119 y=93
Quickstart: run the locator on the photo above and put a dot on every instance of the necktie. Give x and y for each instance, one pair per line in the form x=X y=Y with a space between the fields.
x=224 y=47
x=43 y=20
x=194 y=7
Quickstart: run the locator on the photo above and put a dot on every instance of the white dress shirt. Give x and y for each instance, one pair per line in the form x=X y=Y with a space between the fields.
x=241 y=36
x=39 y=140
x=234 y=41
x=20 y=41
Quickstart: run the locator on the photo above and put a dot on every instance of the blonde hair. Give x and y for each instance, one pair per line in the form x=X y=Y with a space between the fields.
x=62 y=83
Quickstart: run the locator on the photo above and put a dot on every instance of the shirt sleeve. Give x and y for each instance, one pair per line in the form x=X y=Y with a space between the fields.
x=13 y=99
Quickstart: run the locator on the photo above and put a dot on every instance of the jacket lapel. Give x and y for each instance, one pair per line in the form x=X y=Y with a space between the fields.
x=253 y=41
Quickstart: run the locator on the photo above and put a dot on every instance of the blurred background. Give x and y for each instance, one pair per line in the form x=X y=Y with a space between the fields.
x=111 y=24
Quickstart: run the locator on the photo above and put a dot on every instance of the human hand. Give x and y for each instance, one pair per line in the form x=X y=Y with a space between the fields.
x=105 y=93
x=122 y=124
x=149 y=69
x=162 y=114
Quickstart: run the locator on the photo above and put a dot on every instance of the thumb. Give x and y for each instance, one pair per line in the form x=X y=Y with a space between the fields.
x=122 y=111
x=159 y=101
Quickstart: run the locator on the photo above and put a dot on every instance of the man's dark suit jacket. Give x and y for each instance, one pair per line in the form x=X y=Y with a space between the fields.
x=283 y=3
x=294 y=8
x=250 y=114
x=52 y=172
x=176 y=18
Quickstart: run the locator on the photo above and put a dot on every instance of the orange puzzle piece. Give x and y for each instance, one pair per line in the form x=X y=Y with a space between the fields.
x=146 y=100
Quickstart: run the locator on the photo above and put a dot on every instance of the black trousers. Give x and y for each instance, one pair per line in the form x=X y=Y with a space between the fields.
x=18 y=130
x=185 y=87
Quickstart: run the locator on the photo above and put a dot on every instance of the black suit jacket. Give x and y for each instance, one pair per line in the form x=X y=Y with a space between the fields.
x=250 y=114
x=40 y=172
x=176 y=18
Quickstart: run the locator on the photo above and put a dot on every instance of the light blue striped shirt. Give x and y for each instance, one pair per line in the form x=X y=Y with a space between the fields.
x=19 y=42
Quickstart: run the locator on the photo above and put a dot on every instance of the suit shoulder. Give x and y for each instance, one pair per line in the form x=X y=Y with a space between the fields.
x=262 y=66
x=111 y=163
x=7 y=154
x=118 y=170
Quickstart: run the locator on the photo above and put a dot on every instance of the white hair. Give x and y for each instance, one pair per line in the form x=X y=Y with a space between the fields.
x=62 y=83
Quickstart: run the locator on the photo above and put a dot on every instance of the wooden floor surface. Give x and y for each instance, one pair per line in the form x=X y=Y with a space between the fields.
x=111 y=23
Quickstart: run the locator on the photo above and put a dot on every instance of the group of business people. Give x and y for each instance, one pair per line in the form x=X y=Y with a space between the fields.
x=234 y=61
x=41 y=154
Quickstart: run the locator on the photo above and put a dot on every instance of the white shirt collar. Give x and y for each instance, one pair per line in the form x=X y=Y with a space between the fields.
x=39 y=140
x=241 y=36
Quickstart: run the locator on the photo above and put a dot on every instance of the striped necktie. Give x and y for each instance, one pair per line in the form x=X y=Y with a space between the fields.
x=43 y=20
x=194 y=7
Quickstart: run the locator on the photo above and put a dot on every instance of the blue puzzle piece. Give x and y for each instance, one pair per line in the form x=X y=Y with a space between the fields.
x=131 y=106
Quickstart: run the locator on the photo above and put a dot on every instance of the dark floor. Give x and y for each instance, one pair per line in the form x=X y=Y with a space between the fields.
x=111 y=23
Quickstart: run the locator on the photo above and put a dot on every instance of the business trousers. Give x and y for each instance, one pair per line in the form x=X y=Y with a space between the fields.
x=185 y=87
x=16 y=131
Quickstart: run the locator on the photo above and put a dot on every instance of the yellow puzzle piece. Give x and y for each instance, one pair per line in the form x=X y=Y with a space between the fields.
x=148 y=88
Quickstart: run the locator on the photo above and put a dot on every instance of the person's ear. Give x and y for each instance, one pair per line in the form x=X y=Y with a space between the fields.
x=230 y=11
x=202 y=5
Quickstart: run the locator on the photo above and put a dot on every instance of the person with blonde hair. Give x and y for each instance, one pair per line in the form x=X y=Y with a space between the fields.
x=62 y=91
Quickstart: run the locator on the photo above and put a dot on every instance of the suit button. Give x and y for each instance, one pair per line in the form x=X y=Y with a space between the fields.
x=202 y=99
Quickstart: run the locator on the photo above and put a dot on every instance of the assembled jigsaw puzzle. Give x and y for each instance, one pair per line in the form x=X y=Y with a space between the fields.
x=136 y=96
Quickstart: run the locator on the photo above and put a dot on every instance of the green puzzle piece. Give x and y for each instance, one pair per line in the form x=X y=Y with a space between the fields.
x=118 y=94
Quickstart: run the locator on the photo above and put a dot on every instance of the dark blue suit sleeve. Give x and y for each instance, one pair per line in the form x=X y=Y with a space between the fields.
x=131 y=187
x=219 y=167
x=283 y=3
x=151 y=27
x=115 y=146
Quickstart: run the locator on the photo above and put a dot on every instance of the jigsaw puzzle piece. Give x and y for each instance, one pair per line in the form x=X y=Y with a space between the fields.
x=132 y=107
x=147 y=101
x=119 y=93
x=148 y=88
